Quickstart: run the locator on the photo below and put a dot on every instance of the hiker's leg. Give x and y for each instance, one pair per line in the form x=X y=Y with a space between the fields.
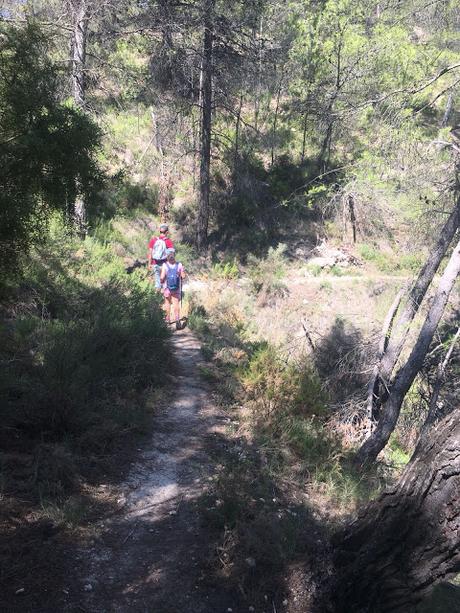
x=176 y=307
x=156 y=272
x=167 y=308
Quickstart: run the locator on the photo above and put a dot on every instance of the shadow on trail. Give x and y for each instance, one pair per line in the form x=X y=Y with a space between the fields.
x=196 y=553
x=200 y=527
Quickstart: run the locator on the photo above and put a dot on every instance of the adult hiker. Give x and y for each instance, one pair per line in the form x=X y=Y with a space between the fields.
x=172 y=274
x=158 y=246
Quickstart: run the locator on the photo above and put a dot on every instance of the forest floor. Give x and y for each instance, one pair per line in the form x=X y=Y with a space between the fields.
x=150 y=555
x=189 y=522
x=159 y=551
x=151 y=544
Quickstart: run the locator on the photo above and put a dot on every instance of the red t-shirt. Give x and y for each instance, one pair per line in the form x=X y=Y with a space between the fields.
x=168 y=243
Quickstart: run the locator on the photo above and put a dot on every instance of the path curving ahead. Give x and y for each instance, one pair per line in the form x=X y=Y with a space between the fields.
x=153 y=554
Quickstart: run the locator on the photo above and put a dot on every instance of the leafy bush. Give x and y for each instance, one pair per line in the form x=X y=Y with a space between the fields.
x=267 y=274
x=47 y=157
x=226 y=270
x=281 y=388
x=411 y=261
x=84 y=345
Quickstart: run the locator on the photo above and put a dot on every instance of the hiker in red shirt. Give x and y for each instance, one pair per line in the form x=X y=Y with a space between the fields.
x=157 y=253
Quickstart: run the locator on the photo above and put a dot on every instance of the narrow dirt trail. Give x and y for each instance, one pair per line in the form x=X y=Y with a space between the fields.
x=152 y=555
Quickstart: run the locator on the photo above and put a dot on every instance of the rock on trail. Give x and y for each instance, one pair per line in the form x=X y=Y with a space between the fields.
x=153 y=555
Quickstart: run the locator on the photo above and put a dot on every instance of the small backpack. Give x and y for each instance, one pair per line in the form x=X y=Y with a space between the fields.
x=172 y=277
x=159 y=249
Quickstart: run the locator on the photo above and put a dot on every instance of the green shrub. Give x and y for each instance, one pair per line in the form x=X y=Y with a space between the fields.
x=411 y=261
x=337 y=271
x=267 y=274
x=227 y=270
x=398 y=455
x=86 y=343
x=325 y=285
x=48 y=154
x=315 y=269
x=367 y=252
x=281 y=388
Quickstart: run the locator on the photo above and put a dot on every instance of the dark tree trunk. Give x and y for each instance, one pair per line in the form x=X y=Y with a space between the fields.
x=351 y=209
x=304 y=136
x=275 y=120
x=206 y=125
x=404 y=543
x=407 y=373
x=236 y=150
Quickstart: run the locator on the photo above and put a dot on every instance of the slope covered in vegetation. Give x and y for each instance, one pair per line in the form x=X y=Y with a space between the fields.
x=305 y=155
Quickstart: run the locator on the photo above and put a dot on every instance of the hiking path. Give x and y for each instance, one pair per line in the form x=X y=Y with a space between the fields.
x=152 y=555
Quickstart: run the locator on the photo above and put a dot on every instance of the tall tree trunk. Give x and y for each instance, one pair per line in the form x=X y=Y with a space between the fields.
x=406 y=375
x=404 y=543
x=236 y=150
x=258 y=85
x=206 y=124
x=351 y=209
x=275 y=119
x=80 y=12
x=80 y=27
x=325 y=152
x=449 y=109
x=388 y=360
x=304 y=136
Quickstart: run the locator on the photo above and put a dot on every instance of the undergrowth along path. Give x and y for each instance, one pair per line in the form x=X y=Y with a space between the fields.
x=153 y=554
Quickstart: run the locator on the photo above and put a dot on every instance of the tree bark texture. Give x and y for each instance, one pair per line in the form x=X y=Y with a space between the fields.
x=80 y=26
x=449 y=109
x=404 y=543
x=407 y=373
x=206 y=125
x=275 y=120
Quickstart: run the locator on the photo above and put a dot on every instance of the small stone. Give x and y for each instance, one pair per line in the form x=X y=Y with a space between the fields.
x=285 y=603
x=251 y=609
x=250 y=562
x=20 y=591
x=88 y=587
x=173 y=512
